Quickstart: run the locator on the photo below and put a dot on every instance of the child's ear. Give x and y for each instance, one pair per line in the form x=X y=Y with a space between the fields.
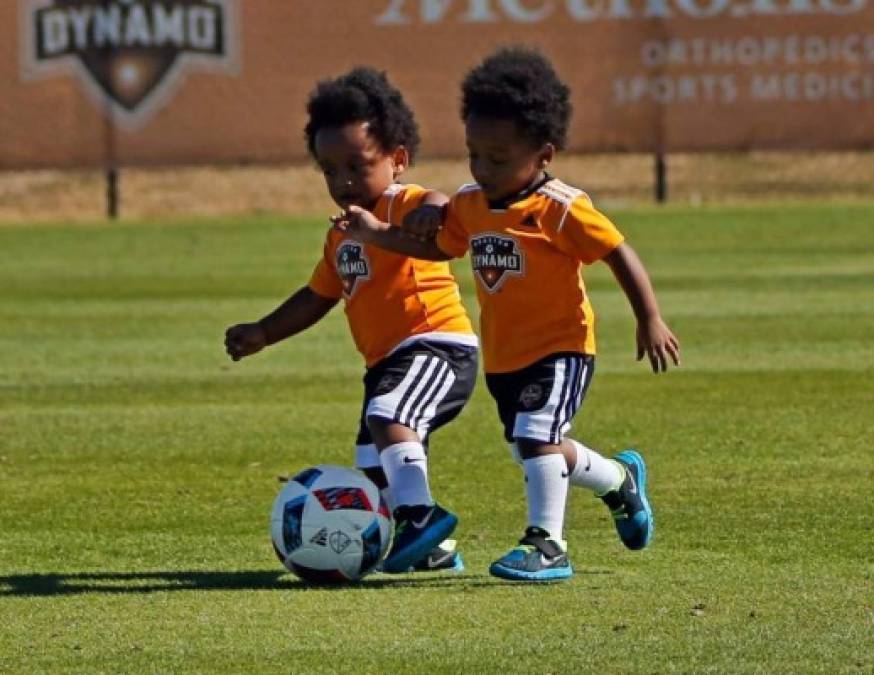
x=400 y=160
x=546 y=154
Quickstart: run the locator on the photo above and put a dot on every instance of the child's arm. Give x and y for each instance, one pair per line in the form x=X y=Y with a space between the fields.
x=299 y=312
x=654 y=338
x=425 y=220
x=368 y=229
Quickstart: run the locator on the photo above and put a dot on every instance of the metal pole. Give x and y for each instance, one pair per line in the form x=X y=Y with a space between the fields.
x=661 y=178
x=112 y=194
x=107 y=54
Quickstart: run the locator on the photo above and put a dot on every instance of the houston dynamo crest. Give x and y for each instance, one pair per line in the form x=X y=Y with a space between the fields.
x=352 y=266
x=494 y=257
x=131 y=55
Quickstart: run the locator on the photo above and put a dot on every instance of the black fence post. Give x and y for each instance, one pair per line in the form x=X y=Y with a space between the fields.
x=661 y=178
x=112 y=193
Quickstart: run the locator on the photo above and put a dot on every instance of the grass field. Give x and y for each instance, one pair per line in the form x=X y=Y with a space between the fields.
x=138 y=465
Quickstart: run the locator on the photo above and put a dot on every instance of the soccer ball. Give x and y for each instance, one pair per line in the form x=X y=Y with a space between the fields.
x=330 y=524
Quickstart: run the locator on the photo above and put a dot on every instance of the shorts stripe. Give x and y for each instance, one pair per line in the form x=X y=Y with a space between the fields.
x=567 y=385
x=538 y=424
x=422 y=386
x=572 y=388
x=428 y=395
x=397 y=397
x=565 y=376
x=558 y=413
x=413 y=399
x=580 y=387
x=434 y=381
x=443 y=385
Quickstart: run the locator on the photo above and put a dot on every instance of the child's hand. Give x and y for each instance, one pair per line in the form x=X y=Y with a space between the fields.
x=244 y=339
x=656 y=340
x=424 y=222
x=358 y=222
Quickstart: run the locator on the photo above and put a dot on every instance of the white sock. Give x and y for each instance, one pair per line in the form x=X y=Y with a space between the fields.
x=546 y=487
x=595 y=471
x=406 y=468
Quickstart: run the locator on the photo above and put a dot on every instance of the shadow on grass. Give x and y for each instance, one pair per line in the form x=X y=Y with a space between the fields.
x=153 y=582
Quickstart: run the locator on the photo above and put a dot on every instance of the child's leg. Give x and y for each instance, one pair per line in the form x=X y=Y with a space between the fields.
x=444 y=556
x=550 y=469
x=589 y=469
x=538 y=426
x=413 y=392
x=546 y=487
x=584 y=467
x=410 y=394
x=536 y=405
x=620 y=482
x=376 y=435
x=380 y=441
x=404 y=463
x=367 y=457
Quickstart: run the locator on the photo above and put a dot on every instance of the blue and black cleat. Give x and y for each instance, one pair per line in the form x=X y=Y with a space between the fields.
x=536 y=558
x=629 y=504
x=442 y=558
x=418 y=529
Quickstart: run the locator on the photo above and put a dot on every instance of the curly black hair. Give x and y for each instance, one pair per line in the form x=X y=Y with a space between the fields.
x=520 y=84
x=363 y=95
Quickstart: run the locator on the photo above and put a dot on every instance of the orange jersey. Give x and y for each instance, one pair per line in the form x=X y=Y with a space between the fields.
x=389 y=297
x=526 y=261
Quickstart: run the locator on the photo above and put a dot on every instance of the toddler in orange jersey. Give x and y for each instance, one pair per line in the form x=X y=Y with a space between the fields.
x=405 y=314
x=528 y=235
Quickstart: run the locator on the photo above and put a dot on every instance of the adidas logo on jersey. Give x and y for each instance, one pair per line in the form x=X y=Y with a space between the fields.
x=493 y=258
x=352 y=265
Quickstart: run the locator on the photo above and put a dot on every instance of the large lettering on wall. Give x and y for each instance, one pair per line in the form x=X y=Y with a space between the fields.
x=534 y=11
x=91 y=82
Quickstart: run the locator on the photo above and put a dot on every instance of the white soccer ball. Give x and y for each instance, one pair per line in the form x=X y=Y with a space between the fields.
x=330 y=524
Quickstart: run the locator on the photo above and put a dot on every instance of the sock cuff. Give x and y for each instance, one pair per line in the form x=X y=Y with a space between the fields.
x=617 y=485
x=406 y=468
x=595 y=472
x=580 y=448
x=367 y=456
x=546 y=488
x=411 y=450
x=581 y=465
x=554 y=459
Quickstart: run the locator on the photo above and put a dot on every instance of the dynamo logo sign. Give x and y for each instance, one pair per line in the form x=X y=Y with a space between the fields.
x=131 y=55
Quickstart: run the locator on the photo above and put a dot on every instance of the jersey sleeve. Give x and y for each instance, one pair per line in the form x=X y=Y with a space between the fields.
x=325 y=280
x=585 y=233
x=403 y=202
x=452 y=237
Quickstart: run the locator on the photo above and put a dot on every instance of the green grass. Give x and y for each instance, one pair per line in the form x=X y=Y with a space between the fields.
x=138 y=465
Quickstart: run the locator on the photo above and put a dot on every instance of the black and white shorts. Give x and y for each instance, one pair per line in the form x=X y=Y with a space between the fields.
x=423 y=385
x=539 y=401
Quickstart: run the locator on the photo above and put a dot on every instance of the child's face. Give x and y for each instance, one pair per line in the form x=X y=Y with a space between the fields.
x=356 y=169
x=502 y=160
